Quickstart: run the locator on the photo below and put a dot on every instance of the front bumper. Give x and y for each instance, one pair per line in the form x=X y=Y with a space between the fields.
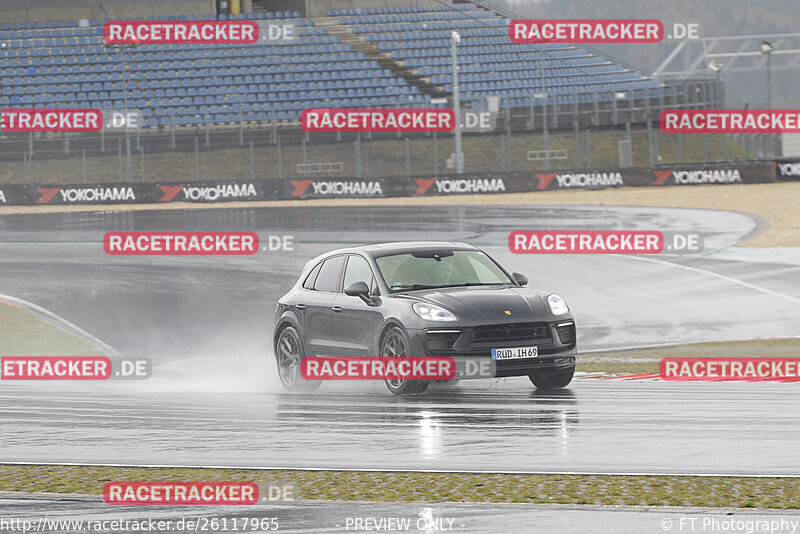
x=555 y=340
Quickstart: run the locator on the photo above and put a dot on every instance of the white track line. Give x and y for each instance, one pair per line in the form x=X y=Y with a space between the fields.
x=61 y=323
x=721 y=277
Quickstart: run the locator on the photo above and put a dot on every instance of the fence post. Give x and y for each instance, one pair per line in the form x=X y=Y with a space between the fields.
x=252 y=163
x=649 y=143
x=172 y=130
x=30 y=143
x=725 y=146
x=66 y=143
x=141 y=159
x=577 y=141
x=119 y=156
x=196 y=159
x=83 y=157
x=408 y=157
x=241 y=130
x=508 y=132
x=705 y=154
x=546 y=136
x=208 y=135
x=358 y=156
x=280 y=156
x=530 y=111
x=588 y=149
x=435 y=154
x=503 y=158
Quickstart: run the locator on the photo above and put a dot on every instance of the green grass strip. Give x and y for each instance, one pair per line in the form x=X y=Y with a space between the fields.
x=656 y=490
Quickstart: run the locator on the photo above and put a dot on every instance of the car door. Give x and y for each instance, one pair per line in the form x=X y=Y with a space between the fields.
x=315 y=304
x=354 y=321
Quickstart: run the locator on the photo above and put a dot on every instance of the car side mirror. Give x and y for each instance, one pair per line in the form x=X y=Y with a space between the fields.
x=520 y=278
x=357 y=289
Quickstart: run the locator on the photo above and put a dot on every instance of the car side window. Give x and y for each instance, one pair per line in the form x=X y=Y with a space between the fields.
x=312 y=277
x=358 y=270
x=328 y=277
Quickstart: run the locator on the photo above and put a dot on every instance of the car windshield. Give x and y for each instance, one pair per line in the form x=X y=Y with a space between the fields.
x=440 y=268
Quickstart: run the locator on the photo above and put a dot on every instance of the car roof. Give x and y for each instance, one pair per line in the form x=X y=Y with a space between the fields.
x=398 y=247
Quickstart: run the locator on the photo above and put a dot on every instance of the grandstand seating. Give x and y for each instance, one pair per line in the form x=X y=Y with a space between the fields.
x=62 y=64
x=66 y=64
x=489 y=64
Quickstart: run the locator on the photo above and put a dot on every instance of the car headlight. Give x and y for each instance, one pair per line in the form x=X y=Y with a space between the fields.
x=432 y=312
x=557 y=305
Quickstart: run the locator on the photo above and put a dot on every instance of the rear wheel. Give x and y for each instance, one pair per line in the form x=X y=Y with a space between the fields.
x=395 y=345
x=552 y=378
x=288 y=354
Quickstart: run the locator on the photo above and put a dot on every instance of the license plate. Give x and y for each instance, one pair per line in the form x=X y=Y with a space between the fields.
x=515 y=353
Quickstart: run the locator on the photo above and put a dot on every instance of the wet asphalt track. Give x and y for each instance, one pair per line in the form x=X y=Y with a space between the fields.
x=213 y=400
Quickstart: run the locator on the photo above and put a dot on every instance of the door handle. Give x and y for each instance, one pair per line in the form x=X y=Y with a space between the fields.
x=337 y=309
x=300 y=306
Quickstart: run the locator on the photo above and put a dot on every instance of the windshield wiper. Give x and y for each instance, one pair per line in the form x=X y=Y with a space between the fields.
x=469 y=284
x=411 y=287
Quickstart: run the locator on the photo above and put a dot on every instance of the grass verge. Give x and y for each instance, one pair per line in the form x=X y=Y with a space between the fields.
x=646 y=360
x=24 y=334
x=657 y=490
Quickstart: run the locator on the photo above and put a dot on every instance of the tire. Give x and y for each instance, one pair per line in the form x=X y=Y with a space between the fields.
x=288 y=355
x=395 y=344
x=552 y=379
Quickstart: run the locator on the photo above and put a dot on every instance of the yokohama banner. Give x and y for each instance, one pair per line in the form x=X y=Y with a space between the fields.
x=398 y=186
x=467 y=184
x=11 y=195
x=221 y=191
x=87 y=194
x=589 y=179
x=336 y=188
x=787 y=170
x=726 y=173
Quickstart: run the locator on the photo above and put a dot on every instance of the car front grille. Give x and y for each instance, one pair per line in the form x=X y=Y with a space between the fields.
x=511 y=333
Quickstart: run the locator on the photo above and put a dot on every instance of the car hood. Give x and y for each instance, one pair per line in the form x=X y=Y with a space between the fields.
x=488 y=303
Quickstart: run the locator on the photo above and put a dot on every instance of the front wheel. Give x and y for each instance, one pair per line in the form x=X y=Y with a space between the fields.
x=395 y=345
x=552 y=378
x=288 y=355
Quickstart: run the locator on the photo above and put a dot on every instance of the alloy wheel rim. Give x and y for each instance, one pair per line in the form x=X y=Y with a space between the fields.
x=288 y=358
x=394 y=347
